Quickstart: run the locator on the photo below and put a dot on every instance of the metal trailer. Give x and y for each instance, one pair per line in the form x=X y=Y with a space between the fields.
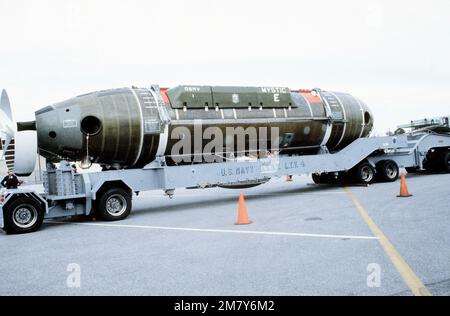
x=108 y=194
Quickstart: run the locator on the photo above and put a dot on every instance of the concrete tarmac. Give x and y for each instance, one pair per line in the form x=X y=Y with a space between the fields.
x=304 y=240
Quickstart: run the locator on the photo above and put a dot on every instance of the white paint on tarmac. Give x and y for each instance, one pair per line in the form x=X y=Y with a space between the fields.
x=218 y=230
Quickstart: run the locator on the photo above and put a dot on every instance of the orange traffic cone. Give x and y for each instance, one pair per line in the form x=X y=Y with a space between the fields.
x=289 y=178
x=242 y=212
x=403 y=188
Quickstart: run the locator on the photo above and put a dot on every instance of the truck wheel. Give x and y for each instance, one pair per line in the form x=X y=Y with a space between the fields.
x=431 y=162
x=364 y=173
x=323 y=178
x=113 y=205
x=318 y=178
x=326 y=178
x=446 y=161
x=388 y=170
x=23 y=215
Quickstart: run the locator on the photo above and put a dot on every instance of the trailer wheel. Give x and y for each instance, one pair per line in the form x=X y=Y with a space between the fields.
x=446 y=161
x=323 y=178
x=113 y=205
x=427 y=165
x=326 y=178
x=388 y=170
x=318 y=178
x=431 y=161
x=23 y=215
x=364 y=173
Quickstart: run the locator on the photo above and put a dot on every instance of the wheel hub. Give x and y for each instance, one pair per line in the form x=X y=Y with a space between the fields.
x=116 y=205
x=366 y=174
x=25 y=216
x=391 y=171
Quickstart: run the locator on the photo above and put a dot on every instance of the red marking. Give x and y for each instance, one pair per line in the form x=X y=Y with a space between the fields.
x=310 y=97
x=164 y=95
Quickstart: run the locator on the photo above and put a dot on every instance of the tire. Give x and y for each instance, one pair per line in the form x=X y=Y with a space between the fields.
x=364 y=173
x=427 y=165
x=113 y=205
x=446 y=161
x=325 y=178
x=387 y=171
x=431 y=162
x=23 y=215
x=318 y=178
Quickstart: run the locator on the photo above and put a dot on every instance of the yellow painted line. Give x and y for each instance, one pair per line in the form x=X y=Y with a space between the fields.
x=408 y=275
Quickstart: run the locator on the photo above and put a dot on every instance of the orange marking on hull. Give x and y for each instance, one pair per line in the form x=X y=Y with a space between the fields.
x=164 y=95
x=311 y=98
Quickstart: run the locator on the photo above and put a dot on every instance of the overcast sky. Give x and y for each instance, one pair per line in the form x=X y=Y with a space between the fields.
x=395 y=55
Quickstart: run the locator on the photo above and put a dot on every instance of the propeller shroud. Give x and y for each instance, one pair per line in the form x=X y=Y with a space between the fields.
x=19 y=148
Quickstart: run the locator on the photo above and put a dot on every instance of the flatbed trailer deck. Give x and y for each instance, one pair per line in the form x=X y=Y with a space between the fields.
x=108 y=194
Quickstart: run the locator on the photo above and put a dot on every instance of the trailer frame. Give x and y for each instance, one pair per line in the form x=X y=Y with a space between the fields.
x=70 y=194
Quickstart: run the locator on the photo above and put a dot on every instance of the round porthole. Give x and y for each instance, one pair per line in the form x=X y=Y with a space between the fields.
x=52 y=134
x=366 y=118
x=91 y=125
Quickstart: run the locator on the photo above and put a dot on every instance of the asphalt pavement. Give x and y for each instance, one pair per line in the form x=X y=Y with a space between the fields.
x=304 y=239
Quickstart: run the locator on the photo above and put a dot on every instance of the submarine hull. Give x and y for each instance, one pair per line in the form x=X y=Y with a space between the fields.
x=130 y=127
